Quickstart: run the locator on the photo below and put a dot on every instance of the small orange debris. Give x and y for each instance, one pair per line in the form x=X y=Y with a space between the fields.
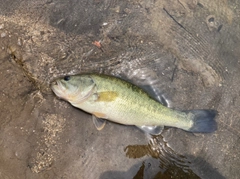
x=97 y=44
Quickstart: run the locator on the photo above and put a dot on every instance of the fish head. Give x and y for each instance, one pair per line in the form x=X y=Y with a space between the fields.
x=73 y=88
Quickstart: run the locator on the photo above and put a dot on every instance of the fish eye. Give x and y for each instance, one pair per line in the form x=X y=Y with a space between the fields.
x=66 y=78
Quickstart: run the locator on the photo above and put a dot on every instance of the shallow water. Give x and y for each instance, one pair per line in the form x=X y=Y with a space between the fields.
x=192 y=67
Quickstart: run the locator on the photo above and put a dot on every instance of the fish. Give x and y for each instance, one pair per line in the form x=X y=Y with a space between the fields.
x=111 y=98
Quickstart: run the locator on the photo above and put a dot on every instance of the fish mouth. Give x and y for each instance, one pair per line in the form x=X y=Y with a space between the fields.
x=58 y=89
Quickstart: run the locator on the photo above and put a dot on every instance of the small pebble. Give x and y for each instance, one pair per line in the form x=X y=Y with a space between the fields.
x=3 y=34
x=1 y=26
x=19 y=42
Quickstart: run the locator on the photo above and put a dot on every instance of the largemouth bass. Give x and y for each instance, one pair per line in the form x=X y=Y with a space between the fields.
x=111 y=98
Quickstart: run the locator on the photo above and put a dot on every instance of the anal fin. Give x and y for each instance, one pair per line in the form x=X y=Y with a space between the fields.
x=153 y=130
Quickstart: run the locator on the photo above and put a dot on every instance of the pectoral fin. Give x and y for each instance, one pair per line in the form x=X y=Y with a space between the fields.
x=100 y=115
x=98 y=122
x=153 y=130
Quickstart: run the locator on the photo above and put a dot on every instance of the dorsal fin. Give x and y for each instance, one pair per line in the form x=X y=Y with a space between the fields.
x=146 y=79
x=155 y=94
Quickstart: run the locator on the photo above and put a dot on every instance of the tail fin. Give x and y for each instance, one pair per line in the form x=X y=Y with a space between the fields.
x=203 y=121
